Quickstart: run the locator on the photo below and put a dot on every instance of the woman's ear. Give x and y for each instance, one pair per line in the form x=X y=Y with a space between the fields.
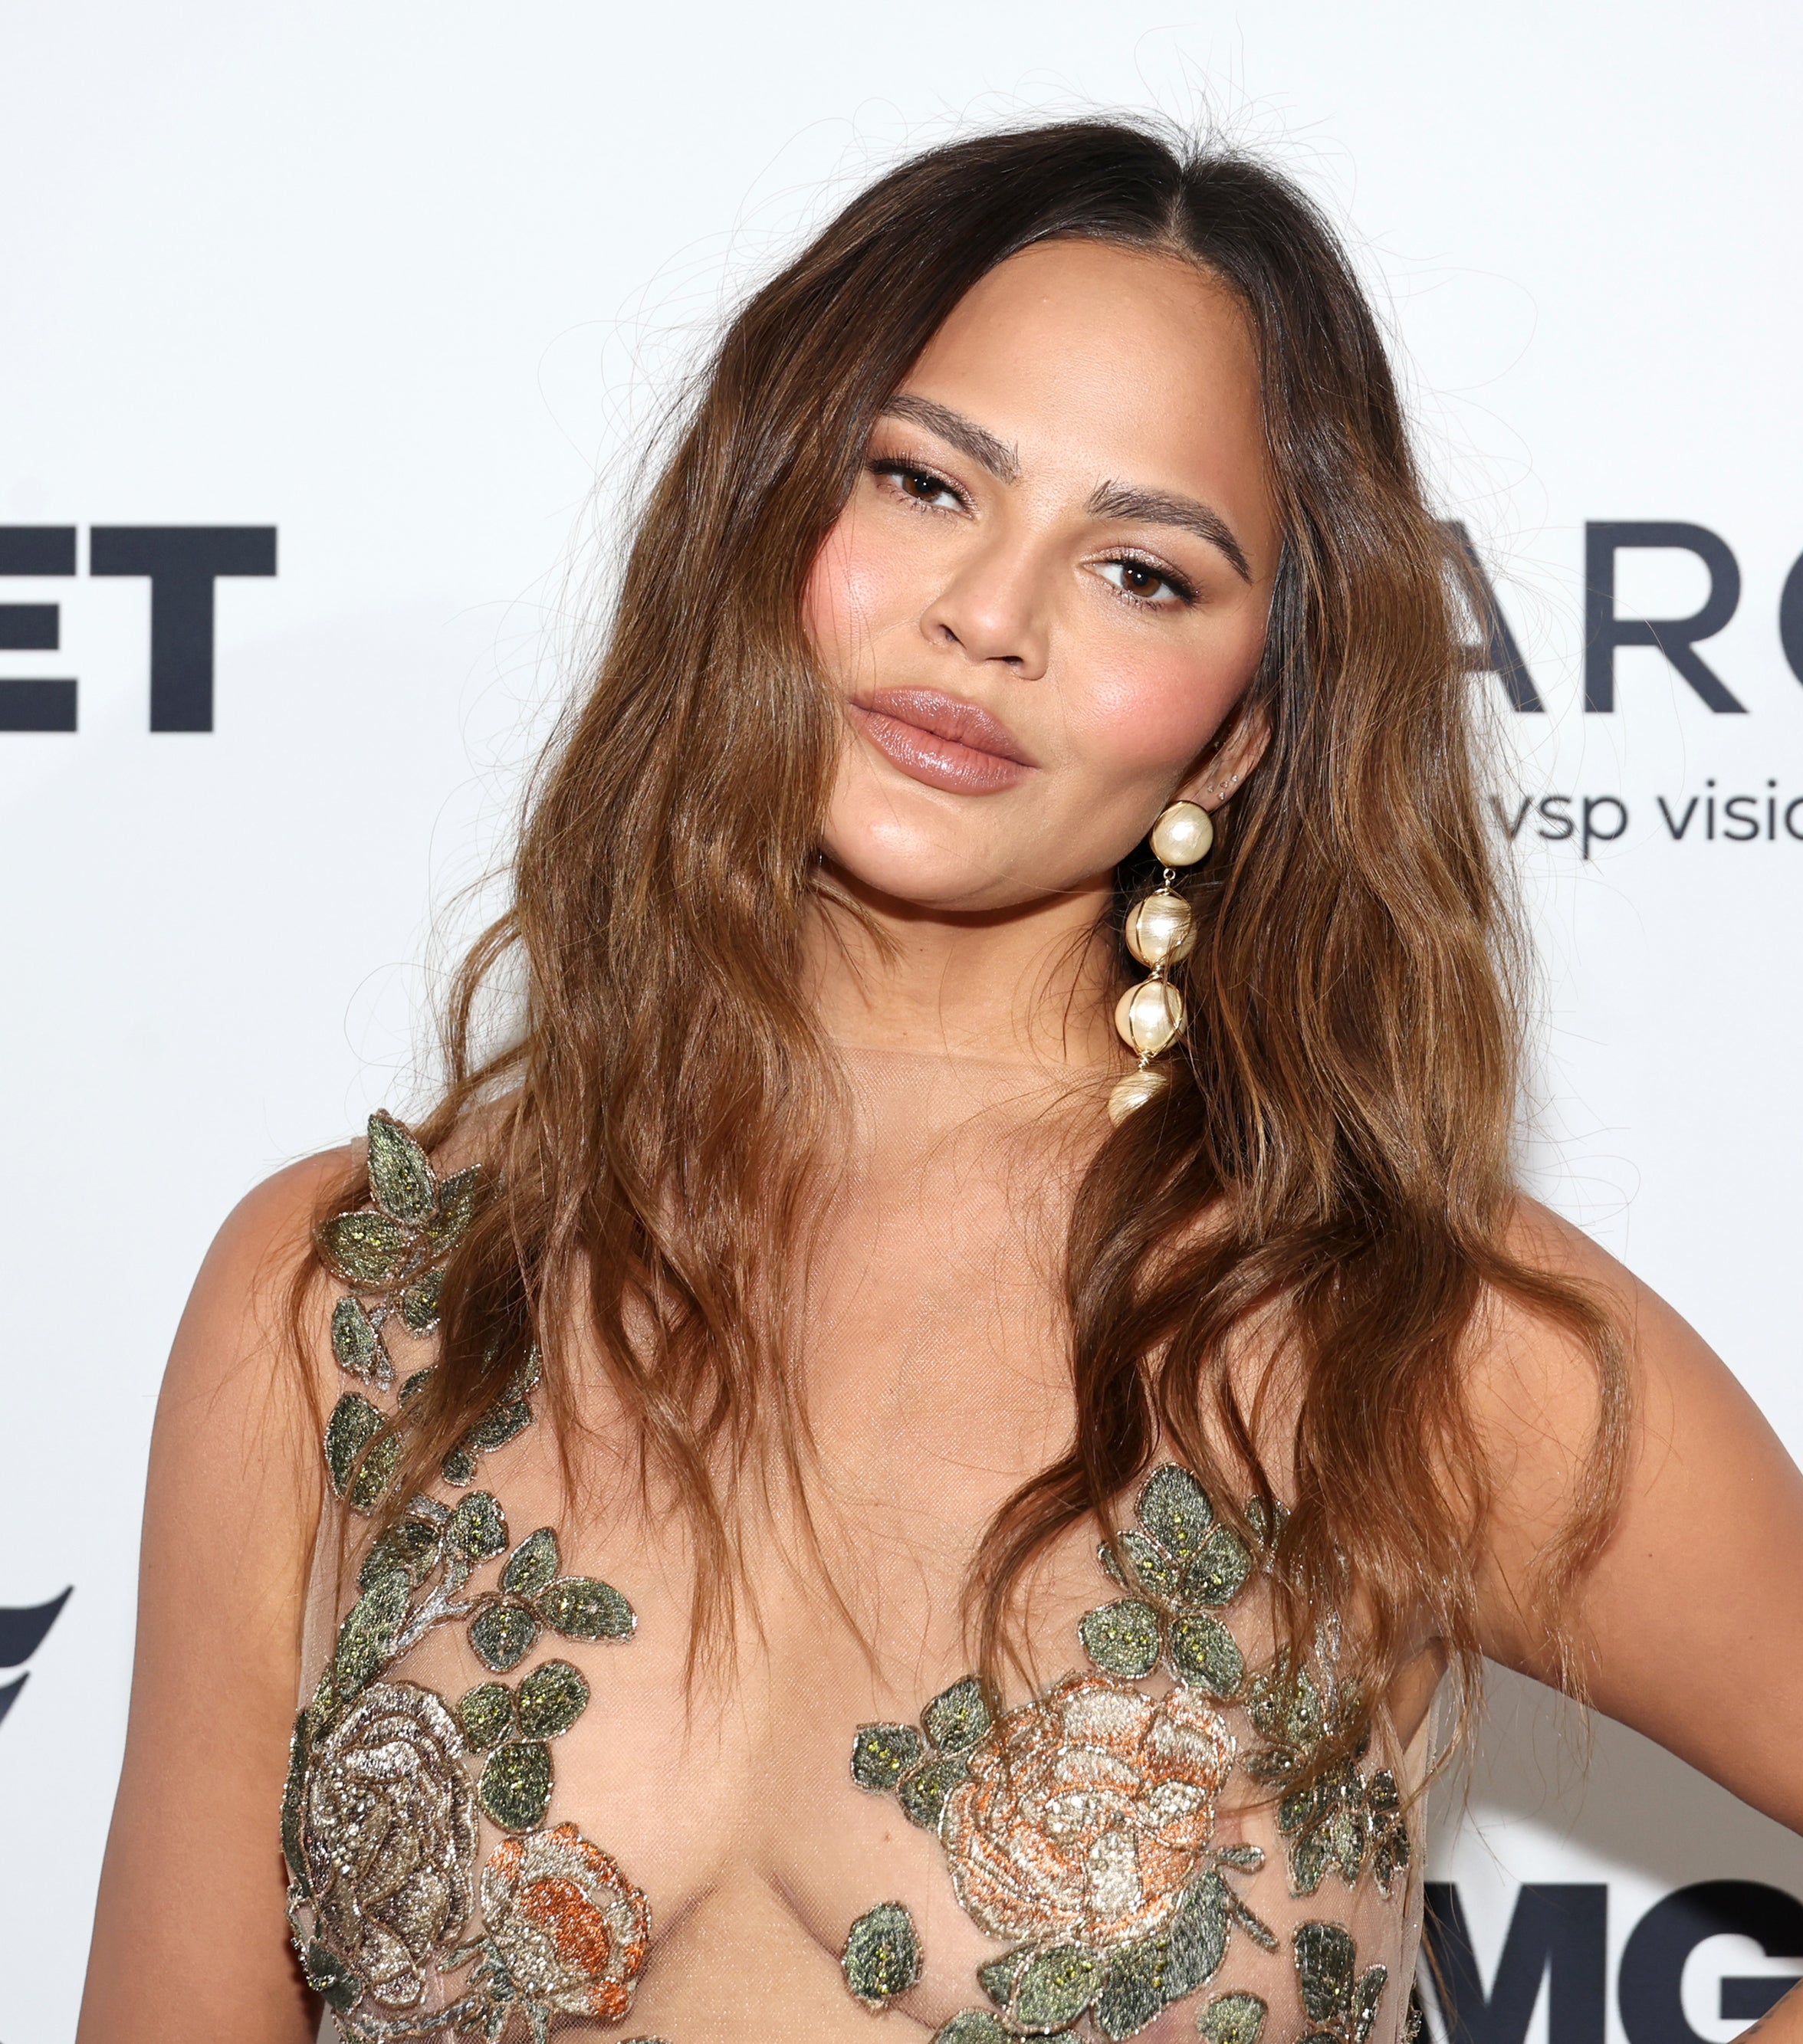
x=1221 y=771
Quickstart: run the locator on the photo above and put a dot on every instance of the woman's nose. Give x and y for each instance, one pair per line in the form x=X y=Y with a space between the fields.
x=994 y=608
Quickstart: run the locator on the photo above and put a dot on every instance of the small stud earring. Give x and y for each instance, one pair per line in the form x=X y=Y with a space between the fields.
x=1160 y=931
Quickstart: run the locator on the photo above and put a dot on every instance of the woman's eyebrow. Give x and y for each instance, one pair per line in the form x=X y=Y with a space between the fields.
x=1155 y=507
x=966 y=435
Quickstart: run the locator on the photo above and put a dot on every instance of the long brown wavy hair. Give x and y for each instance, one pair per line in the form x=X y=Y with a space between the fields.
x=1332 y=1165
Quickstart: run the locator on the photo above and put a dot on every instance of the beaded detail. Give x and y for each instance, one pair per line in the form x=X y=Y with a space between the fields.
x=387 y=1780
x=1079 y=1827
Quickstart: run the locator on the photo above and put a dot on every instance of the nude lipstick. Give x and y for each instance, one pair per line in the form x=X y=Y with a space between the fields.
x=943 y=741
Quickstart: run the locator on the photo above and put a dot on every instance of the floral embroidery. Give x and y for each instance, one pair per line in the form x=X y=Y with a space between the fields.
x=393 y=1258
x=1081 y=1824
x=1182 y=1568
x=392 y=1254
x=1332 y=1817
x=881 y=1956
x=388 y=1835
x=379 y=1817
x=1340 y=2001
x=565 y=1927
x=1084 y=1815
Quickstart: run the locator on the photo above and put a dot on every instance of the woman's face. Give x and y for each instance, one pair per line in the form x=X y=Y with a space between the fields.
x=1049 y=587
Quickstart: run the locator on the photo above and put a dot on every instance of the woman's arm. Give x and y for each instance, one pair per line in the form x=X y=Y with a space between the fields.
x=1691 y=1623
x=189 y=1935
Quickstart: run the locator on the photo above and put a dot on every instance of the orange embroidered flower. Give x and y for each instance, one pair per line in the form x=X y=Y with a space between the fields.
x=570 y=1928
x=1086 y=1812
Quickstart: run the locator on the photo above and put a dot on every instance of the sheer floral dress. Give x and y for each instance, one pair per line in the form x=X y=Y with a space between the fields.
x=1146 y=1846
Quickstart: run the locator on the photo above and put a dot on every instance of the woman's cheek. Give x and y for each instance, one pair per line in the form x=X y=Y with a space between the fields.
x=1156 y=712
x=854 y=592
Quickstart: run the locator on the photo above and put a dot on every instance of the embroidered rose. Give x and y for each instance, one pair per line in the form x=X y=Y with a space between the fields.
x=389 y=1838
x=570 y=1930
x=1086 y=1813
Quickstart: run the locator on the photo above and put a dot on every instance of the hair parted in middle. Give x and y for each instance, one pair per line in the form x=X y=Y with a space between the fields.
x=1333 y=1159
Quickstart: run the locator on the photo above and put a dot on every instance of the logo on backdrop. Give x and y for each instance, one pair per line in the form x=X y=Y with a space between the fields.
x=21 y=1633
x=181 y=563
x=1558 y=1940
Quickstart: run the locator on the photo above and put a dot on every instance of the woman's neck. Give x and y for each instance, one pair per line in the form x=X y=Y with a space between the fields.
x=1032 y=984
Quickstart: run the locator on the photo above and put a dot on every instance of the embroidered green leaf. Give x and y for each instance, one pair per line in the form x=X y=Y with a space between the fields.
x=1325 y=1955
x=1389 y=1850
x=1308 y=1863
x=1198 y=1936
x=1203 y=1651
x=1122 y=1638
x=1248 y=1858
x=882 y=1956
x=580 y=1607
x=515 y=1788
x=412 y=1545
x=923 y=1790
x=1218 y=1570
x=419 y=1302
x=300 y=1746
x=459 y=1469
x=487 y=1714
x=355 y=1341
x=881 y=1753
x=531 y=1565
x=1174 y=1509
x=503 y=1635
x=1156 y=1569
x=1348 y=1836
x=552 y=1698
x=458 y=1199
x=1134 y=1992
x=402 y=1182
x=1233 y=2019
x=373 y=1474
x=1365 y=1999
x=369 y=1250
x=330 y=1978
x=972 y=2025
x=366 y=1639
x=411 y=1387
x=1054 y=1987
x=499 y=1425
x=997 y=1979
x=478 y=1527
x=354 y=1423
x=957 y=1718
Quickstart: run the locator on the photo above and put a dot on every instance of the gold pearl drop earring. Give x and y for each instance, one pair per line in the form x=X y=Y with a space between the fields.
x=1161 y=928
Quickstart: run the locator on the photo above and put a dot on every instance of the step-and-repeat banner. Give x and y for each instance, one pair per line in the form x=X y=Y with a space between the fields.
x=325 y=337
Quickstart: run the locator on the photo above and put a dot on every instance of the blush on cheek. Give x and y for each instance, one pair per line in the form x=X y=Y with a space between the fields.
x=850 y=593
x=1157 y=715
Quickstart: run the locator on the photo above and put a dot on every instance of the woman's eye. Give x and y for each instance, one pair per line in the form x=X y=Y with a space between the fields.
x=921 y=485
x=1146 y=584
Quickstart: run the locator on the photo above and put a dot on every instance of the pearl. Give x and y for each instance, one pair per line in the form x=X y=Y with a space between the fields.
x=1149 y=1015
x=1183 y=835
x=1160 y=928
x=1134 y=1091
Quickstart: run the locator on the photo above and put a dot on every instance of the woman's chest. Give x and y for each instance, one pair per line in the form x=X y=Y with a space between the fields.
x=539 y=1792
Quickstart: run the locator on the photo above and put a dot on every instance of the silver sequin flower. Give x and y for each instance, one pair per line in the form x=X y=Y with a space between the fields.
x=390 y=1838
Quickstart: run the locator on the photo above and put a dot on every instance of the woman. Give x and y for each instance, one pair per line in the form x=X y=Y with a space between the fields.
x=845 y=1488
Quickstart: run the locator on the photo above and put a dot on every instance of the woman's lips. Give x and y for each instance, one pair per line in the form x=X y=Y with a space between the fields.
x=942 y=741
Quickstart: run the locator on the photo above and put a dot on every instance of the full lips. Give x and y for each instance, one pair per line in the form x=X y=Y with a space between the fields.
x=942 y=741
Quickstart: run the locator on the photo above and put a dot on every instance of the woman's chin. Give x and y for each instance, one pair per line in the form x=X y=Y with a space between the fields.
x=929 y=877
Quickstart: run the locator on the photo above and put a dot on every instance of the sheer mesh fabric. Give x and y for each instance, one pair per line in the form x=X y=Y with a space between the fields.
x=931 y=1359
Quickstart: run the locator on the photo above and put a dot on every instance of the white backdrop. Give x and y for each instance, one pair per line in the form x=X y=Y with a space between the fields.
x=394 y=281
